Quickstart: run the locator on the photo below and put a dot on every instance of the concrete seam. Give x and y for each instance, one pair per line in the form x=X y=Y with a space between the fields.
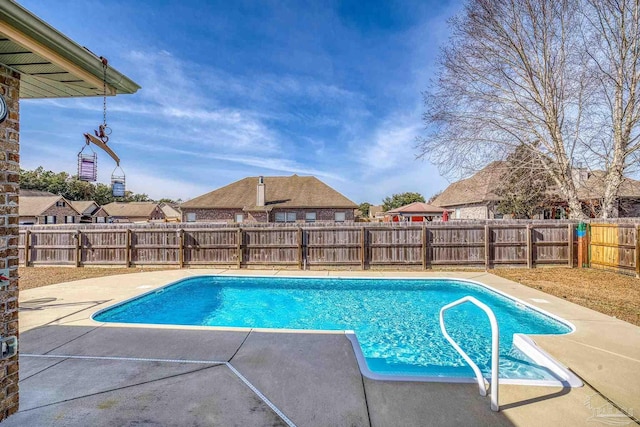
x=143 y=359
x=628 y=414
x=366 y=401
x=120 y=388
x=41 y=371
x=261 y=396
x=71 y=340
x=240 y=346
x=126 y=359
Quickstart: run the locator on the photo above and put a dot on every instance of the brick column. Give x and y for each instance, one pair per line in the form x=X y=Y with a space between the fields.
x=9 y=186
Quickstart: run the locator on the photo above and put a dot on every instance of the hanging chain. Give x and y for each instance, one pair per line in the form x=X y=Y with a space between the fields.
x=104 y=131
x=104 y=92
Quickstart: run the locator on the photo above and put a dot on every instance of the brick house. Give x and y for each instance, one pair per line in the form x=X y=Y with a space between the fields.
x=47 y=210
x=475 y=197
x=280 y=199
x=37 y=62
x=133 y=212
x=87 y=209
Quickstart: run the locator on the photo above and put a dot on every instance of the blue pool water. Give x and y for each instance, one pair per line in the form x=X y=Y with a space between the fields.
x=396 y=321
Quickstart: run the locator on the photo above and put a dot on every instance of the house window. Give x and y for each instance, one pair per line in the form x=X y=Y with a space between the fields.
x=239 y=218
x=457 y=213
x=340 y=216
x=100 y=219
x=69 y=219
x=191 y=217
x=50 y=219
x=61 y=204
x=286 y=217
x=310 y=217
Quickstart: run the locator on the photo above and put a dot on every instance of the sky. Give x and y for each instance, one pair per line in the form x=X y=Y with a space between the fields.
x=232 y=89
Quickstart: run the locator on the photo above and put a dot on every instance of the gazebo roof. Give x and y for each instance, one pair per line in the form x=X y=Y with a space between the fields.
x=417 y=208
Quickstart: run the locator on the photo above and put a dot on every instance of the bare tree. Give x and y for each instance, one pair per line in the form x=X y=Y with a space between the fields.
x=559 y=77
x=612 y=41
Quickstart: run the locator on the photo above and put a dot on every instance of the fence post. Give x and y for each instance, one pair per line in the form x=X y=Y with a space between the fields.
x=424 y=247
x=300 y=253
x=27 y=248
x=570 y=244
x=181 y=247
x=582 y=235
x=638 y=251
x=487 y=237
x=363 y=249
x=529 y=246
x=127 y=249
x=239 y=253
x=78 y=247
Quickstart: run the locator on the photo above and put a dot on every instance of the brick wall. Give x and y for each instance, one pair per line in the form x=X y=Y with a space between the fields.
x=228 y=215
x=9 y=177
x=60 y=212
x=469 y=212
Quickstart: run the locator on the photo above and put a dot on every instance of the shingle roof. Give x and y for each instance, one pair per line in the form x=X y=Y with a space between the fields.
x=130 y=209
x=593 y=187
x=481 y=187
x=34 y=193
x=170 y=211
x=36 y=205
x=417 y=207
x=475 y=189
x=280 y=191
x=82 y=205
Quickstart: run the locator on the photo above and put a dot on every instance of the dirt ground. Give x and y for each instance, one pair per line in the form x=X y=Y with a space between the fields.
x=607 y=292
x=604 y=291
x=34 y=277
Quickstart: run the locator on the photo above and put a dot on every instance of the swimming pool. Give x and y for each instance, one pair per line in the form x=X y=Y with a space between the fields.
x=395 y=320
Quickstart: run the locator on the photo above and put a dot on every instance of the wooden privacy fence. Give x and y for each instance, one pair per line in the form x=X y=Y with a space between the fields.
x=615 y=246
x=302 y=247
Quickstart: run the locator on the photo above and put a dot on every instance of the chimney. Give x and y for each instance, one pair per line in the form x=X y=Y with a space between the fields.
x=260 y=199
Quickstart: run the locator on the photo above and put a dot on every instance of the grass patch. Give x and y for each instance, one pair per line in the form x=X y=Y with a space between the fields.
x=607 y=292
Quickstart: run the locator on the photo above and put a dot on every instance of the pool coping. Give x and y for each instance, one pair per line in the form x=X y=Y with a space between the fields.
x=522 y=342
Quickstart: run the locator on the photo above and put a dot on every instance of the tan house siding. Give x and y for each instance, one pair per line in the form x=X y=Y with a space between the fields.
x=9 y=219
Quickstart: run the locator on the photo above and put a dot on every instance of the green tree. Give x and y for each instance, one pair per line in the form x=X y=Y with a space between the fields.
x=72 y=188
x=401 y=199
x=79 y=190
x=102 y=194
x=364 y=208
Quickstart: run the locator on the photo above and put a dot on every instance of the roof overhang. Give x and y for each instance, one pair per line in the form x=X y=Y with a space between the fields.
x=52 y=65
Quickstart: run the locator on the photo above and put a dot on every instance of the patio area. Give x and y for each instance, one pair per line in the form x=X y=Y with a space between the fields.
x=73 y=369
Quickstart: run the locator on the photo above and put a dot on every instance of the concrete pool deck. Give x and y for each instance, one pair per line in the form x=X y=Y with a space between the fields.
x=74 y=371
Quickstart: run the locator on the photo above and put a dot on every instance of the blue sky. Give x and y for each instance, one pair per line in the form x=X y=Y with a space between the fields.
x=233 y=89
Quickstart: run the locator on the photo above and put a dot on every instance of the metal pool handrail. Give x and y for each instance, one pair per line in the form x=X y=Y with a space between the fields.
x=495 y=344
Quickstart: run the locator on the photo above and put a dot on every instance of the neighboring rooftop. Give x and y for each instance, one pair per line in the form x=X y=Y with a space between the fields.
x=130 y=209
x=36 y=205
x=475 y=189
x=84 y=206
x=481 y=187
x=281 y=191
x=34 y=193
x=417 y=207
